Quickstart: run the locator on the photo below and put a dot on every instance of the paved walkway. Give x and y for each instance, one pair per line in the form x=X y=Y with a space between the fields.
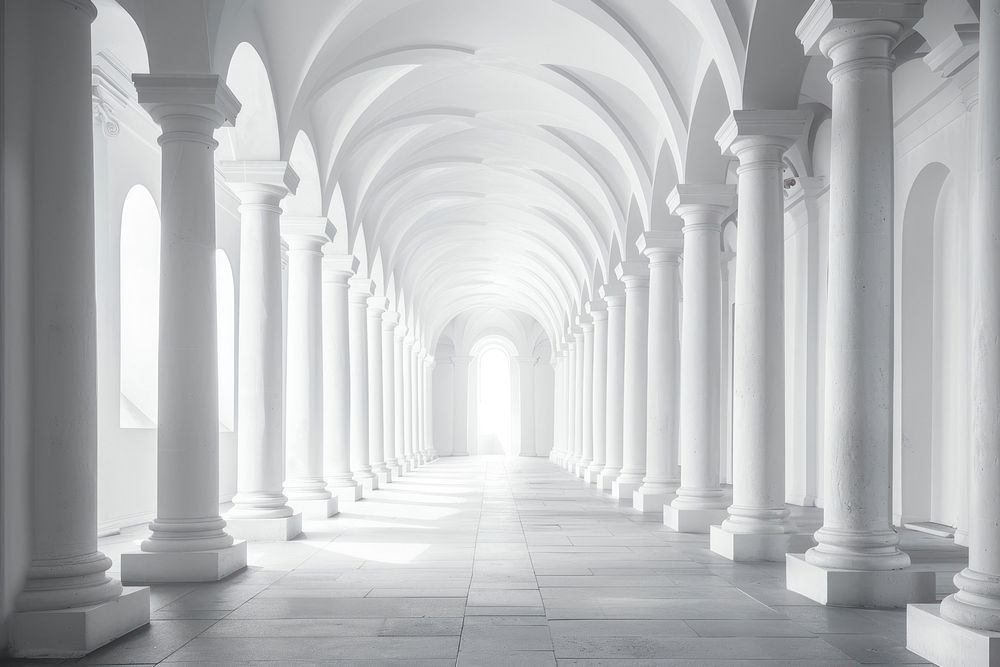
x=508 y=562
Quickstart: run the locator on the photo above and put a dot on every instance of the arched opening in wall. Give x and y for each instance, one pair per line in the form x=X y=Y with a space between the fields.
x=139 y=262
x=496 y=419
x=919 y=464
x=225 y=295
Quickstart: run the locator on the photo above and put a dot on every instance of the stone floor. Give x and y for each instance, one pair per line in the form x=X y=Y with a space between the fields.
x=494 y=561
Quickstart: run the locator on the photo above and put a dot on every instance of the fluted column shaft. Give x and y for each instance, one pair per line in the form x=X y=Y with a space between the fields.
x=360 y=291
x=614 y=297
x=376 y=432
x=337 y=272
x=635 y=276
x=977 y=602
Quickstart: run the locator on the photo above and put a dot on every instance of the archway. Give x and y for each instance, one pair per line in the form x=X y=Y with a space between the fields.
x=496 y=418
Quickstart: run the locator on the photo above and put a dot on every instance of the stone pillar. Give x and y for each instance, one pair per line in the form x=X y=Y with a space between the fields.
x=461 y=414
x=586 y=398
x=337 y=272
x=577 y=452
x=376 y=434
x=758 y=527
x=358 y=294
x=663 y=248
x=188 y=540
x=599 y=314
x=614 y=296
x=560 y=398
x=402 y=399
x=635 y=275
x=858 y=561
x=68 y=606
x=429 y=364
x=389 y=322
x=700 y=502
x=305 y=485
x=964 y=630
x=408 y=399
x=260 y=509
x=567 y=414
x=418 y=402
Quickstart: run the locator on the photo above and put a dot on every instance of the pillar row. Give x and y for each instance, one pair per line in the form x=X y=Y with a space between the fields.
x=599 y=315
x=376 y=432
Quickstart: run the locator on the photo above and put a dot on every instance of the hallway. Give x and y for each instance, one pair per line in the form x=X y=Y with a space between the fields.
x=506 y=561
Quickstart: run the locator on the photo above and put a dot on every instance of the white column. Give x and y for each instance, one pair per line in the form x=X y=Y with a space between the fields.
x=758 y=527
x=337 y=271
x=399 y=333
x=599 y=315
x=577 y=350
x=429 y=408
x=408 y=399
x=188 y=540
x=586 y=398
x=965 y=631
x=700 y=502
x=857 y=534
x=635 y=275
x=461 y=407
x=66 y=578
x=663 y=248
x=614 y=296
x=376 y=433
x=357 y=297
x=558 y=432
x=389 y=322
x=305 y=485
x=420 y=446
x=260 y=509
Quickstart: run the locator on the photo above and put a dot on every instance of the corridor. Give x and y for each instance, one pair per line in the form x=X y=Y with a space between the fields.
x=506 y=561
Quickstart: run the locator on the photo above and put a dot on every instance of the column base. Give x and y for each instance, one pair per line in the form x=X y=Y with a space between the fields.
x=650 y=502
x=367 y=485
x=885 y=589
x=948 y=644
x=346 y=494
x=265 y=530
x=176 y=567
x=313 y=510
x=75 y=632
x=395 y=471
x=692 y=520
x=384 y=478
x=591 y=475
x=605 y=479
x=624 y=490
x=742 y=547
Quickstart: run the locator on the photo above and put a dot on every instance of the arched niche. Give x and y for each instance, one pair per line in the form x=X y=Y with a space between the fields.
x=495 y=418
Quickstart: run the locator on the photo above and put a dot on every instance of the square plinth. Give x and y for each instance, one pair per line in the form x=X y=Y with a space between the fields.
x=947 y=644
x=884 y=589
x=757 y=546
x=168 y=567
x=650 y=502
x=346 y=494
x=605 y=480
x=590 y=476
x=313 y=510
x=71 y=633
x=624 y=490
x=384 y=478
x=265 y=530
x=692 y=520
x=395 y=471
x=368 y=486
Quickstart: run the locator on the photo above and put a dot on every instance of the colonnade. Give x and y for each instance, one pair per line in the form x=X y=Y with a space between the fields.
x=672 y=412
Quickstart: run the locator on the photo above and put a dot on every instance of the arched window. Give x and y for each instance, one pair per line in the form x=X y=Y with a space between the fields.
x=140 y=309
x=494 y=417
x=225 y=295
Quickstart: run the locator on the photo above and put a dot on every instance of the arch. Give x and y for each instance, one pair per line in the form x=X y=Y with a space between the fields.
x=255 y=136
x=225 y=295
x=916 y=347
x=307 y=201
x=496 y=417
x=139 y=300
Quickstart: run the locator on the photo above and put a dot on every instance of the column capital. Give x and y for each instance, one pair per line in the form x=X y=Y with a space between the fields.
x=634 y=273
x=586 y=323
x=712 y=203
x=359 y=289
x=401 y=329
x=339 y=268
x=108 y=94
x=572 y=331
x=597 y=309
x=390 y=321
x=661 y=245
x=613 y=294
x=744 y=130
x=823 y=26
x=377 y=306
x=259 y=179
x=408 y=340
x=956 y=59
x=204 y=97
x=313 y=230
x=429 y=361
